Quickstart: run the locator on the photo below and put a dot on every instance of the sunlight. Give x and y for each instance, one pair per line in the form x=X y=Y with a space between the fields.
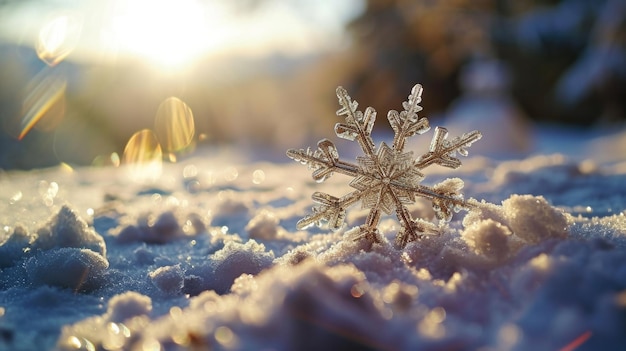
x=166 y=32
x=170 y=35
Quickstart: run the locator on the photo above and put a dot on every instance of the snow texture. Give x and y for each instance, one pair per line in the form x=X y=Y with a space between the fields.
x=386 y=179
x=538 y=262
x=64 y=252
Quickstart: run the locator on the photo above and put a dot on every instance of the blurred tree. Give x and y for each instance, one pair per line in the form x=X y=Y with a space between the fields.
x=567 y=58
x=401 y=42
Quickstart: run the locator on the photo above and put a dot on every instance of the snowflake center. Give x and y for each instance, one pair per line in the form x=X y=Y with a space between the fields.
x=386 y=180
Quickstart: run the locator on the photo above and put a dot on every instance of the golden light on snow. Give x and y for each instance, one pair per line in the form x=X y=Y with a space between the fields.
x=143 y=156
x=174 y=125
x=107 y=160
x=77 y=343
x=48 y=191
x=541 y=262
x=176 y=312
x=231 y=174
x=150 y=345
x=509 y=335
x=116 y=339
x=44 y=103
x=190 y=171
x=58 y=37
x=225 y=337
x=431 y=326
x=17 y=196
x=258 y=176
x=74 y=342
x=357 y=290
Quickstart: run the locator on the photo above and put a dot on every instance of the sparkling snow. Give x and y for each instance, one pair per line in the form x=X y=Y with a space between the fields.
x=208 y=257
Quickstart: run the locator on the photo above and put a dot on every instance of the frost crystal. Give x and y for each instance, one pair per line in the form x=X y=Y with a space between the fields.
x=385 y=178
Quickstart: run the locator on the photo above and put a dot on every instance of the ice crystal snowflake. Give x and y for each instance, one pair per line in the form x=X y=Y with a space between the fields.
x=385 y=178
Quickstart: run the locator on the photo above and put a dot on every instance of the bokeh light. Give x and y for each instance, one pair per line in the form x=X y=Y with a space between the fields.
x=174 y=125
x=143 y=156
x=107 y=160
x=107 y=65
x=58 y=37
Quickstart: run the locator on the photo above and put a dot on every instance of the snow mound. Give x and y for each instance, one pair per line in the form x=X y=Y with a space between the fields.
x=76 y=269
x=517 y=272
x=169 y=279
x=67 y=229
x=312 y=306
x=65 y=253
x=127 y=305
x=231 y=211
x=235 y=259
x=165 y=228
x=306 y=307
x=14 y=248
x=112 y=330
x=500 y=231
x=264 y=226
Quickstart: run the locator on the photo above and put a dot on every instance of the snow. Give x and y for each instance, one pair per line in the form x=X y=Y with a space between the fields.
x=212 y=259
x=169 y=279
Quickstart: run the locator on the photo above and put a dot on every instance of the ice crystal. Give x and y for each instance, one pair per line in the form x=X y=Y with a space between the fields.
x=386 y=178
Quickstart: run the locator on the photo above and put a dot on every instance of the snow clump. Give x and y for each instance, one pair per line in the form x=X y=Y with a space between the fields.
x=67 y=229
x=76 y=269
x=500 y=231
x=111 y=331
x=65 y=252
x=169 y=279
x=160 y=230
x=263 y=226
x=235 y=259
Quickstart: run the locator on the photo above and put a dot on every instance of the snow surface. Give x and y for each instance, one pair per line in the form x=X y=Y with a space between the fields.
x=208 y=257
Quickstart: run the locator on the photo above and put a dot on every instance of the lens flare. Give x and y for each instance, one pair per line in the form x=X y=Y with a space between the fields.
x=44 y=105
x=143 y=156
x=58 y=38
x=174 y=125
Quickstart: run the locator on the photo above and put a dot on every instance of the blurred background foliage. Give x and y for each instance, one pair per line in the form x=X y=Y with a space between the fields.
x=78 y=79
x=566 y=60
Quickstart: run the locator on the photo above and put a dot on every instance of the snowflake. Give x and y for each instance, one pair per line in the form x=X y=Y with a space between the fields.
x=385 y=178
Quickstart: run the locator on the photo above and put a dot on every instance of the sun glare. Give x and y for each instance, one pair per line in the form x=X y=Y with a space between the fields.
x=58 y=38
x=169 y=33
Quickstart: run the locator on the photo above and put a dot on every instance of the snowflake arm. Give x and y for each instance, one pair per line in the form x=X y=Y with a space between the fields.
x=331 y=210
x=443 y=151
x=358 y=124
x=412 y=229
x=407 y=123
x=324 y=161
